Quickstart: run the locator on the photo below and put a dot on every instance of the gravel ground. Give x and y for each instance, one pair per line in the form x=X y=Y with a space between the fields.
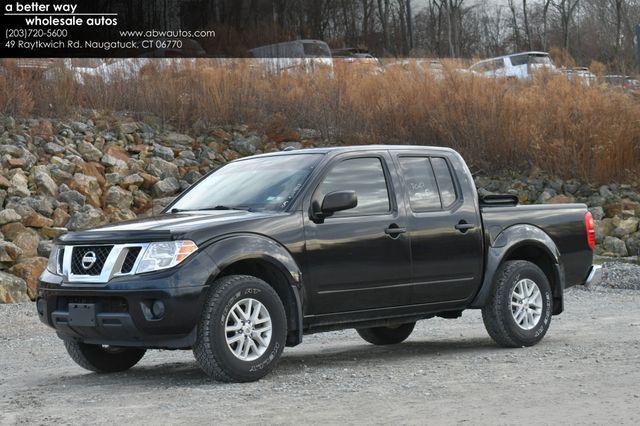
x=585 y=371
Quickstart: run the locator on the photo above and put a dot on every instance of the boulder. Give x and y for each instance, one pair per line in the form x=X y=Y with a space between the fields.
x=87 y=186
x=12 y=289
x=9 y=216
x=165 y=187
x=36 y=220
x=29 y=270
x=86 y=217
x=19 y=186
x=9 y=252
x=45 y=184
x=28 y=242
x=44 y=248
x=625 y=227
x=89 y=152
x=615 y=247
x=162 y=168
x=246 y=146
x=173 y=139
x=118 y=197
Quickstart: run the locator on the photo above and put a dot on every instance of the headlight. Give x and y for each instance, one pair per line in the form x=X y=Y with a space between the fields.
x=165 y=255
x=54 y=260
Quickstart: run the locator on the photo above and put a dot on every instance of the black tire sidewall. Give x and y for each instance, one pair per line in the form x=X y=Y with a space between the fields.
x=532 y=272
x=262 y=292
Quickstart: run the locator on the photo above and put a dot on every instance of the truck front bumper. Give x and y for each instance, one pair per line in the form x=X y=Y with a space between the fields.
x=595 y=276
x=159 y=310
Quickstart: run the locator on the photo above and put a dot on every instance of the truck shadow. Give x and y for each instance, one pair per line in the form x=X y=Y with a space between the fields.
x=295 y=361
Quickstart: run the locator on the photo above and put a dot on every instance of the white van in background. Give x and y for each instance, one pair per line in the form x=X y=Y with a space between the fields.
x=293 y=56
x=521 y=66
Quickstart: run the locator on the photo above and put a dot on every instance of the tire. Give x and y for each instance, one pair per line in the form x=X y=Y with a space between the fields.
x=386 y=335
x=499 y=314
x=102 y=359
x=215 y=355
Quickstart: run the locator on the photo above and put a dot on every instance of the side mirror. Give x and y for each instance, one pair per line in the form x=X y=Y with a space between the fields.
x=334 y=202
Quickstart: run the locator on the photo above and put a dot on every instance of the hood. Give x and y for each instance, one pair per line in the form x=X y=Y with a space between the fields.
x=163 y=227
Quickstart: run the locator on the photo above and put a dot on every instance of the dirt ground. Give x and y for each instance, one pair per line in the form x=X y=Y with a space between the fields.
x=585 y=371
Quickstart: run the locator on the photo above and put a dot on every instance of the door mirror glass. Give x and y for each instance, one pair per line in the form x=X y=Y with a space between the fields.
x=338 y=201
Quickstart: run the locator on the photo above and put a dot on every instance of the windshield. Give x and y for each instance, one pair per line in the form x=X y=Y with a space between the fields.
x=267 y=183
x=316 y=50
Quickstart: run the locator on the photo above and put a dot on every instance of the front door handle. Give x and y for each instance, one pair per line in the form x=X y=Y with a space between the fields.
x=394 y=231
x=463 y=226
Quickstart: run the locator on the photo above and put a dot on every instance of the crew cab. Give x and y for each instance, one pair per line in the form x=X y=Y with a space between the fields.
x=272 y=247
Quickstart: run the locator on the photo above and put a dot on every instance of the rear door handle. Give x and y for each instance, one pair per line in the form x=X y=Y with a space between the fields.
x=463 y=226
x=394 y=231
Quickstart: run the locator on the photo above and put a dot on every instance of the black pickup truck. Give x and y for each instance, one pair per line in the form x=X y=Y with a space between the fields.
x=271 y=247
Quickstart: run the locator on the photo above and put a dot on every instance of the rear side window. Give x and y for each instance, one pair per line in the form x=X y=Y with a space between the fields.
x=366 y=177
x=428 y=182
x=420 y=184
x=445 y=181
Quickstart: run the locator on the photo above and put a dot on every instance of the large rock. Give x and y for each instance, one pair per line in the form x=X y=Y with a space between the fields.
x=36 y=220
x=85 y=218
x=12 y=289
x=9 y=252
x=45 y=184
x=29 y=270
x=615 y=246
x=246 y=146
x=166 y=187
x=87 y=186
x=28 y=242
x=162 y=169
x=633 y=244
x=89 y=152
x=174 y=139
x=118 y=197
x=19 y=186
x=8 y=216
x=625 y=227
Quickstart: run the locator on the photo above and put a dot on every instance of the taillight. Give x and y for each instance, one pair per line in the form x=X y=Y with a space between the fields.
x=591 y=230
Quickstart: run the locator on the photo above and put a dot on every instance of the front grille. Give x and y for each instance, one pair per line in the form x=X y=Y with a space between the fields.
x=130 y=259
x=101 y=254
x=103 y=304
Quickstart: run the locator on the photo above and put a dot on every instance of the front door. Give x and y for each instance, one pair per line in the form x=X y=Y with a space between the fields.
x=358 y=259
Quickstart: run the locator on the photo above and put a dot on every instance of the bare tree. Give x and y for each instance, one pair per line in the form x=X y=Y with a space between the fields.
x=545 y=24
x=566 y=9
x=514 y=23
x=527 y=27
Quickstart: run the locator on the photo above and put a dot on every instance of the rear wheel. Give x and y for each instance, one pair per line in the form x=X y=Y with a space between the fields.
x=103 y=359
x=518 y=312
x=386 y=335
x=243 y=330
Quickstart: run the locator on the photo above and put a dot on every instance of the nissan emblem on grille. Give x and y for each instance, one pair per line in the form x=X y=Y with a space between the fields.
x=88 y=260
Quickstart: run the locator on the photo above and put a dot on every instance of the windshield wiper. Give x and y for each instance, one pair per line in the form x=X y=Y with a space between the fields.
x=242 y=208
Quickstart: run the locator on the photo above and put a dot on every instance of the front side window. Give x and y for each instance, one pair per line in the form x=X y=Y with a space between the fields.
x=366 y=177
x=257 y=184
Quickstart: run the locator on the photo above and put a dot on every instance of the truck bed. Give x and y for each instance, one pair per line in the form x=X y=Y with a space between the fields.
x=564 y=223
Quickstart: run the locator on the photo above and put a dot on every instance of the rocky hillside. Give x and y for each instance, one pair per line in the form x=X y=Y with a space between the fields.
x=58 y=176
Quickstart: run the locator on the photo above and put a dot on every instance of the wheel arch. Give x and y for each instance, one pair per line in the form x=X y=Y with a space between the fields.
x=264 y=258
x=524 y=242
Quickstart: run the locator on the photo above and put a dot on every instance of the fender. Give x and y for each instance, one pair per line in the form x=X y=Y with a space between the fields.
x=504 y=244
x=229 y=249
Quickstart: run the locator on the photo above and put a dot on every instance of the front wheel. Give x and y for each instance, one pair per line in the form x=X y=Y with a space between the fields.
x=103 y=359
x=387 y=335
x=518 y=312
x=243 y=330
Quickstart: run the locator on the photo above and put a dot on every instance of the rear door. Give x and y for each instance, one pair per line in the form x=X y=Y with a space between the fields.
x=358 y=259
x=444 y=229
